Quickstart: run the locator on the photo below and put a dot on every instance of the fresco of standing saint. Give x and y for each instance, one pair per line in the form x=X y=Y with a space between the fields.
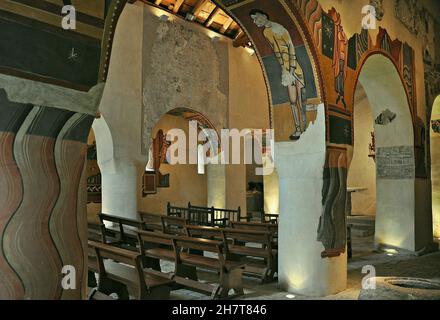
x=292 y=74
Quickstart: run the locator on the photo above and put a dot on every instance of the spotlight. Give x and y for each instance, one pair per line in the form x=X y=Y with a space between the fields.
x=391 y=252
x=164 y=18
x=290 y=296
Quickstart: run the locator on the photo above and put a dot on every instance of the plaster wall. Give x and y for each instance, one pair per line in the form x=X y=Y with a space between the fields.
x=362 y=172
x=248 y=109
x=119 y=145
x=186 y=185
x=435 y=170
x=182 y=67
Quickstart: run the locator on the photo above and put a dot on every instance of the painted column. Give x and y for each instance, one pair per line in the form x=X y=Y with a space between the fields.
x=216 y=182
x=119 y=187
x=43 y=224
x=301 y=265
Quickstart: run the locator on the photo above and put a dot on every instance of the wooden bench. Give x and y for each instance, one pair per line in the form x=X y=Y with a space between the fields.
x=230 y=272
x=256 y=226
x=152 y=221
x=212 y=233
x=174 y=225
x=158 y=246
x=262 y=258
x=180 y=251
x=205 y=216
x=95 y=231
x=124 y=267
x=122 y=235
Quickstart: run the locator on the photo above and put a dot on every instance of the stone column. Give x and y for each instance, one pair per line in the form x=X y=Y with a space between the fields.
x=216 y=183
x=301 y=265
x=119 y=187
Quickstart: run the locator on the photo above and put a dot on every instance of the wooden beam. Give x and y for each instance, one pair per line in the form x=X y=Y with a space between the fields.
x=212 y=17
x=241 y=40
x=199 y=7
x=226 y=25
x=177 y=5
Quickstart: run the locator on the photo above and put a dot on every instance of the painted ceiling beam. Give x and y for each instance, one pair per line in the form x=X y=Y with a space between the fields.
x=199 y=7
x=212 y=17
x=226 y=25
x=177 y=5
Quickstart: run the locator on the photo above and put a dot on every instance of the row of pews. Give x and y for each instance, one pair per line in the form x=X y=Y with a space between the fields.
x=127 y=253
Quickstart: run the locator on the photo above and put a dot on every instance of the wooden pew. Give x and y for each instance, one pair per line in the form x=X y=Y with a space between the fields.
x=159 y=246
x=152 y=221
x=204 y=216
x=218 y=217
x=95 y=231
x=174 y=225
x=230 y=272
x=180 y=212
x=263 y=258
x=180 y=250
x=124 y=267
x=256 y=226
x=123 y=234
x=212 y=233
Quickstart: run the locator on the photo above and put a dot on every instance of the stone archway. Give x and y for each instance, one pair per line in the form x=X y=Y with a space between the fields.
x=51 y=124
x=402 y=216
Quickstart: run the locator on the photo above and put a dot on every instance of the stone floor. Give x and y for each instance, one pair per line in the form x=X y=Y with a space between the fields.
x=386 y=264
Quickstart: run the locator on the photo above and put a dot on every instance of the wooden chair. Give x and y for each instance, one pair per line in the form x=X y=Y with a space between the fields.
x=122 y=267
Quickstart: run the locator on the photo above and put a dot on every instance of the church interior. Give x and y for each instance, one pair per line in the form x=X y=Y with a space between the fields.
x=219 y=149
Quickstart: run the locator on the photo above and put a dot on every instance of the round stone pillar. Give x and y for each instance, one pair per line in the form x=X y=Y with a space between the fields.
x=305 y=265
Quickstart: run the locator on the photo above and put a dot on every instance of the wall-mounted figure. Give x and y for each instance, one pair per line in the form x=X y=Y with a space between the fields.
x=385 y=117
x=340 y=55
x=292 y=74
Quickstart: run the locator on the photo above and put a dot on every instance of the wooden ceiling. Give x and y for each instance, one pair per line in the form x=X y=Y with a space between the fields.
x=204 y=12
